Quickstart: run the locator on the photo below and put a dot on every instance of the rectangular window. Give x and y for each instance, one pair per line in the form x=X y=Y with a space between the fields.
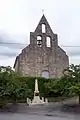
x=43 y=28
x=48 y=42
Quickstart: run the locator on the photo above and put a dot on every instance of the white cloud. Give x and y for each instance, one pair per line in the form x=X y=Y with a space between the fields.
x=7 y=61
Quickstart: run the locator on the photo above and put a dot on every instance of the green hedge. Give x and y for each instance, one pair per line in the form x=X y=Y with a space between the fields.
x=41 y=84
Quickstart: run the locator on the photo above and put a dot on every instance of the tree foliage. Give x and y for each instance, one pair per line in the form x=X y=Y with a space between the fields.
x=74 y=79
x=15 y=88
x=66 y=86
x=12 y=87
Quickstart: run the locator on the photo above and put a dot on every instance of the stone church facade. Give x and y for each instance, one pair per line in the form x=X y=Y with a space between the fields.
x=42 y=57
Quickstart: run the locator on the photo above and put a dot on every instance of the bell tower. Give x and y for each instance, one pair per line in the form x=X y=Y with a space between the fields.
x=43 y=35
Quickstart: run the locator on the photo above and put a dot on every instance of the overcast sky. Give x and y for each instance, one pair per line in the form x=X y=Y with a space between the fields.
x=20 y=17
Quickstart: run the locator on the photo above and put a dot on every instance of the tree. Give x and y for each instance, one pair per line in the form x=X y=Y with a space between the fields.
x=71 y=81
x=11 y=86
x=5 y=77
x=66 y=86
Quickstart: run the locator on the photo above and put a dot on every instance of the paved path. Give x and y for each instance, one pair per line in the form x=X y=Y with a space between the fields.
x=38 y=113
x=35 y=117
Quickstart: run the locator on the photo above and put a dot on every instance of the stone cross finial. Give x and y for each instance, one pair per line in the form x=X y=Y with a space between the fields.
x=42 y=11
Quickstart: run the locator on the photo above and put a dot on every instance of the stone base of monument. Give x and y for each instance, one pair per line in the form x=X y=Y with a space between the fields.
x=37 y=101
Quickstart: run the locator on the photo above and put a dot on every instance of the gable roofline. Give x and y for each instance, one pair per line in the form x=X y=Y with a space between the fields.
x=44 y=20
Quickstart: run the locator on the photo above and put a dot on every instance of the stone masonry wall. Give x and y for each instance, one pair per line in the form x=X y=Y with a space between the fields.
x=35 y=59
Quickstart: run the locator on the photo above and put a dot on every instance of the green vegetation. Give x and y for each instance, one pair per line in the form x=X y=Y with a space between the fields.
x=11 y=87
x=15 y=88
x=66 y=86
